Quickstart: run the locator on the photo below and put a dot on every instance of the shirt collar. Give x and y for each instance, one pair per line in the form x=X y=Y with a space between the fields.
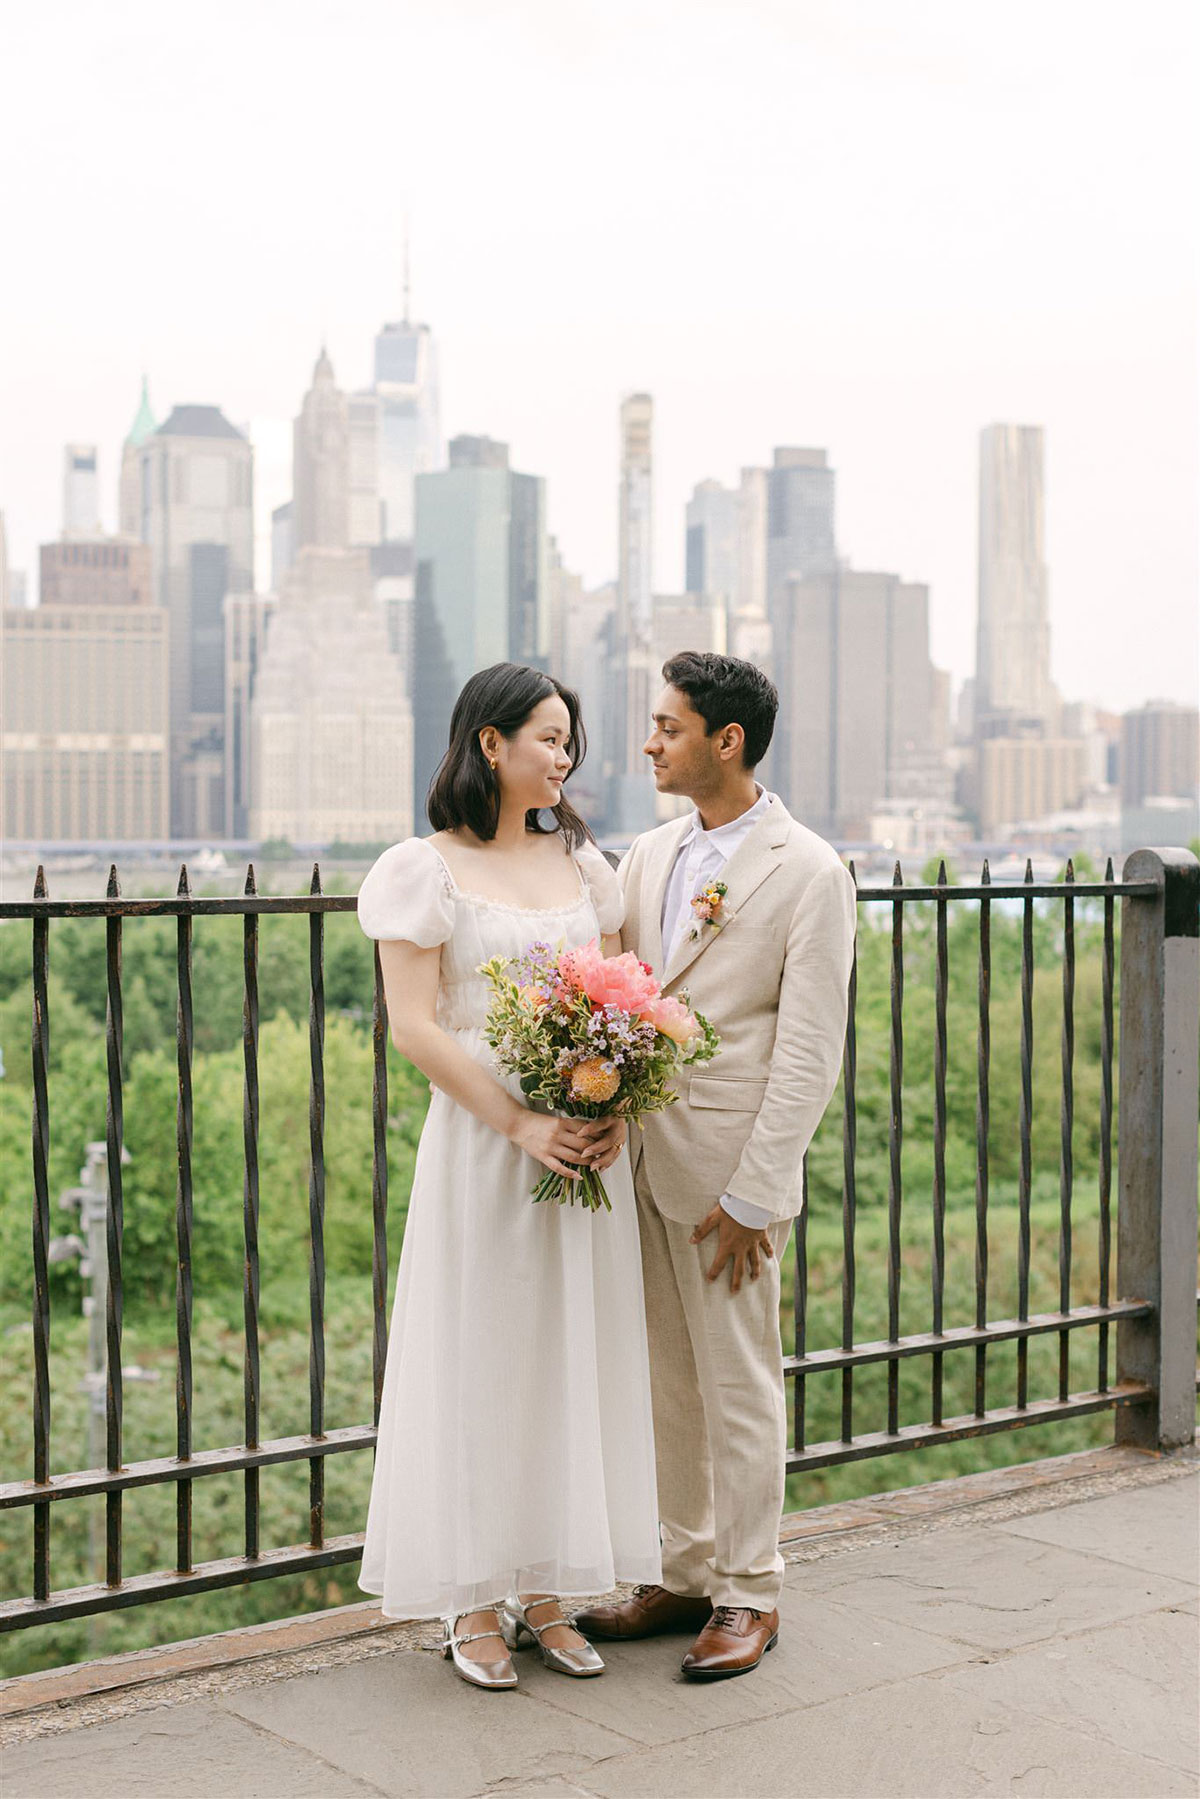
x=725 y=838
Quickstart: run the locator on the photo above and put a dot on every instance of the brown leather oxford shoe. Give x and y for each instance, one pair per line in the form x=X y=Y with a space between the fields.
x=649 y=1612
x=734 y=1640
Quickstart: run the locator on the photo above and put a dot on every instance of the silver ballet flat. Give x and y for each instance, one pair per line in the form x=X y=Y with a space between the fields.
x=492 y=1676
x=518 y=1631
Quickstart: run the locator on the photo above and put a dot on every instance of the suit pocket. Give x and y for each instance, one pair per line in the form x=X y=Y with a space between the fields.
x=724 y=1094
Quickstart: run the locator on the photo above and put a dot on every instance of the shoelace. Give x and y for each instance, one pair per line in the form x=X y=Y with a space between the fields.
x=725 y=1616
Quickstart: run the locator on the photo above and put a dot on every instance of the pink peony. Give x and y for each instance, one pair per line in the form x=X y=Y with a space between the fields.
x=670 y=1016
x=620 y=981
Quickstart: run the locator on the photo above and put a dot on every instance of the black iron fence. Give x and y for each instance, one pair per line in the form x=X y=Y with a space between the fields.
x=1150 y=1304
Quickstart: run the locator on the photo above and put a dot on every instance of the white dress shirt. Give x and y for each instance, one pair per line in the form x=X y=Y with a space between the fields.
x=700 y=858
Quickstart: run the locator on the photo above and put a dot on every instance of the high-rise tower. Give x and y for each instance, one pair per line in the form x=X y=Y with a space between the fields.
x=1013 y=690
x=635 y=584
x=129 y=497
x=408 y=421
x=801 y=541
x=320 y=465
x=81 y=492
x=196 y=477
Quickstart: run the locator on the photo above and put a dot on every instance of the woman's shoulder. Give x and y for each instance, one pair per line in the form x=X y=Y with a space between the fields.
x=408 y=894
x=604 y=889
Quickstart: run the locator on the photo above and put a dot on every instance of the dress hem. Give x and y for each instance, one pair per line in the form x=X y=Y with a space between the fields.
x=426 y=1617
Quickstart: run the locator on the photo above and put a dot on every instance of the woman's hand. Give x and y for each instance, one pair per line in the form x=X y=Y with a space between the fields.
x=608 y=1137
x=557 y=1143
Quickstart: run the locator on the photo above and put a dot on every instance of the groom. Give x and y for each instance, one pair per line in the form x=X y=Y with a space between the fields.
x=755 y=916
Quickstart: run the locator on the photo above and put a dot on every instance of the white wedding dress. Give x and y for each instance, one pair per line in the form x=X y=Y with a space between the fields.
x=515 y=1441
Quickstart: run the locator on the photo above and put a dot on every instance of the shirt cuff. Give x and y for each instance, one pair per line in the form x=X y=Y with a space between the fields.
x=754 y=1218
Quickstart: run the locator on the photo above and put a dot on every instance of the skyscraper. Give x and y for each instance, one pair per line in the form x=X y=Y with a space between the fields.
x=1013 y=690
x=801 y=541
x=81 y=492
x=196 y=478
x=1160 y=753
x=330 y=725
x=330 y=721
x=633 y=673
x=101 y=571
x=635 y=584
x=711 y=550
x=856 y=689
x=320 y=465
x=84 y=701
x=129 y=496
x=408 y=421
x=481 y=583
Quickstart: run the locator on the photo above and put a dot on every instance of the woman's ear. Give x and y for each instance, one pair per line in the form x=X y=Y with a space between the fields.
x=489 y=743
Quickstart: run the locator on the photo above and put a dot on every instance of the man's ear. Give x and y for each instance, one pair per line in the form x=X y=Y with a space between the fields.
x=731 y=741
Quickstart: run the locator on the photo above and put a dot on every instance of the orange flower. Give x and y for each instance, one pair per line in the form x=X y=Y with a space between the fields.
x=594 y=1080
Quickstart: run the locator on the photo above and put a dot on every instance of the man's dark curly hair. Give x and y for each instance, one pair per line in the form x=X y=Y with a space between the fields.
x=727 y=691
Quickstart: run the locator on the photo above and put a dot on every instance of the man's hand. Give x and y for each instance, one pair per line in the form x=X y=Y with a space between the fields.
x=737 y=1244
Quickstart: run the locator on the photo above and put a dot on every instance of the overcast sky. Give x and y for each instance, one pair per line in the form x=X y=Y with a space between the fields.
x=873 y=225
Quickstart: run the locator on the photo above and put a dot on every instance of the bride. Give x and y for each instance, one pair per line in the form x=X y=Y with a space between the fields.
x=515 y=1460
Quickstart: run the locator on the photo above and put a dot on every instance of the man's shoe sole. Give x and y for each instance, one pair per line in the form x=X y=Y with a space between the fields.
x=728 y=1673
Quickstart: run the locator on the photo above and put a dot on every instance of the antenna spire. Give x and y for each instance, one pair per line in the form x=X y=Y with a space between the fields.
x=407 y=281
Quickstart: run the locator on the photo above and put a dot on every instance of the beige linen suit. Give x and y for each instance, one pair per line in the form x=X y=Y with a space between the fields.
x=773 y=980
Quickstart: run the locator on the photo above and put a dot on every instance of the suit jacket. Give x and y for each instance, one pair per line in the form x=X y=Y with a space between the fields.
x=773 y=981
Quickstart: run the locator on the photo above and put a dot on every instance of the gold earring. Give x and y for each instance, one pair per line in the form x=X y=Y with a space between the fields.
x=492 y=765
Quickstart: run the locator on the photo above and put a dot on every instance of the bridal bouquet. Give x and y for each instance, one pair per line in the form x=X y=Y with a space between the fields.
x=588 y=1035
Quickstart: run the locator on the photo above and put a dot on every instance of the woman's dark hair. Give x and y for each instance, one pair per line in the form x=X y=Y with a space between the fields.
x=727 y=691
x=465 y=791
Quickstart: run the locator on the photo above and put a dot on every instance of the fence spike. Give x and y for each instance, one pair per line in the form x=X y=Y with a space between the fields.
x=41 y=891
x=1070 y=874
x=853 y=871
x=184 y=889
x=315 y=883
x=985 y=879
x=897 y=877
x=114 y=886
x=941 y=878
x=251 y=884
x=1108 y=869
x=1029 y=868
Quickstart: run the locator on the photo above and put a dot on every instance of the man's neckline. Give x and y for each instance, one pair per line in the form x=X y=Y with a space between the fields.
x=700 y=829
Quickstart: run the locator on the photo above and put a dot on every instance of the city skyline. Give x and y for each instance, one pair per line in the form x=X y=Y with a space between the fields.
x=909 y=225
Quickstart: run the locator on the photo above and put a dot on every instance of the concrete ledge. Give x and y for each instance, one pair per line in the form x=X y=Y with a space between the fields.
x=81 y=1693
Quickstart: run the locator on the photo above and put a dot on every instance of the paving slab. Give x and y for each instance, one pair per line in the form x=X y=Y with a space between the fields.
x=1155 y=1528
x=408 y=1726
x=824 y=1651
x=899 y=1741
x=176 y=1752
x=986 y=1587
x=1135 y=1684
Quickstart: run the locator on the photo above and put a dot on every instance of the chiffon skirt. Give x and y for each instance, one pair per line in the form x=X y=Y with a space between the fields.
x=515 y=1446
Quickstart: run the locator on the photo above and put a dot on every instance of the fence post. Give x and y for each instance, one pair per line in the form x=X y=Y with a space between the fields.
x=1156 y=1145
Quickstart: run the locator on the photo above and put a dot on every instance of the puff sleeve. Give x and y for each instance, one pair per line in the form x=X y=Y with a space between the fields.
x=406 y=896
x=603 y=887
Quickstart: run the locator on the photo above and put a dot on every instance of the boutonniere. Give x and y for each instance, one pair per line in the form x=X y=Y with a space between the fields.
x=709 y=910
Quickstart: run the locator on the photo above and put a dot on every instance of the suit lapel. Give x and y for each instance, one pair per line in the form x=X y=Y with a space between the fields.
x=744 y=873
x=654 y=888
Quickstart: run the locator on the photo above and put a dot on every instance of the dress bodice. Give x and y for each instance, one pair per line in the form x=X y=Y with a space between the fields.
x=411 y=894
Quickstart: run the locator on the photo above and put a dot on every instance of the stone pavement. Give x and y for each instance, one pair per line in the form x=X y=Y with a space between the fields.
x=1043 y=1643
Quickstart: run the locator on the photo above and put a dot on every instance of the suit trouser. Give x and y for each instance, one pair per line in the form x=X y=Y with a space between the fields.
x=720 y=1420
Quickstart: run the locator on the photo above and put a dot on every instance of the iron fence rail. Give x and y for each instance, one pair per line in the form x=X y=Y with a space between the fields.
x=47 y=1489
